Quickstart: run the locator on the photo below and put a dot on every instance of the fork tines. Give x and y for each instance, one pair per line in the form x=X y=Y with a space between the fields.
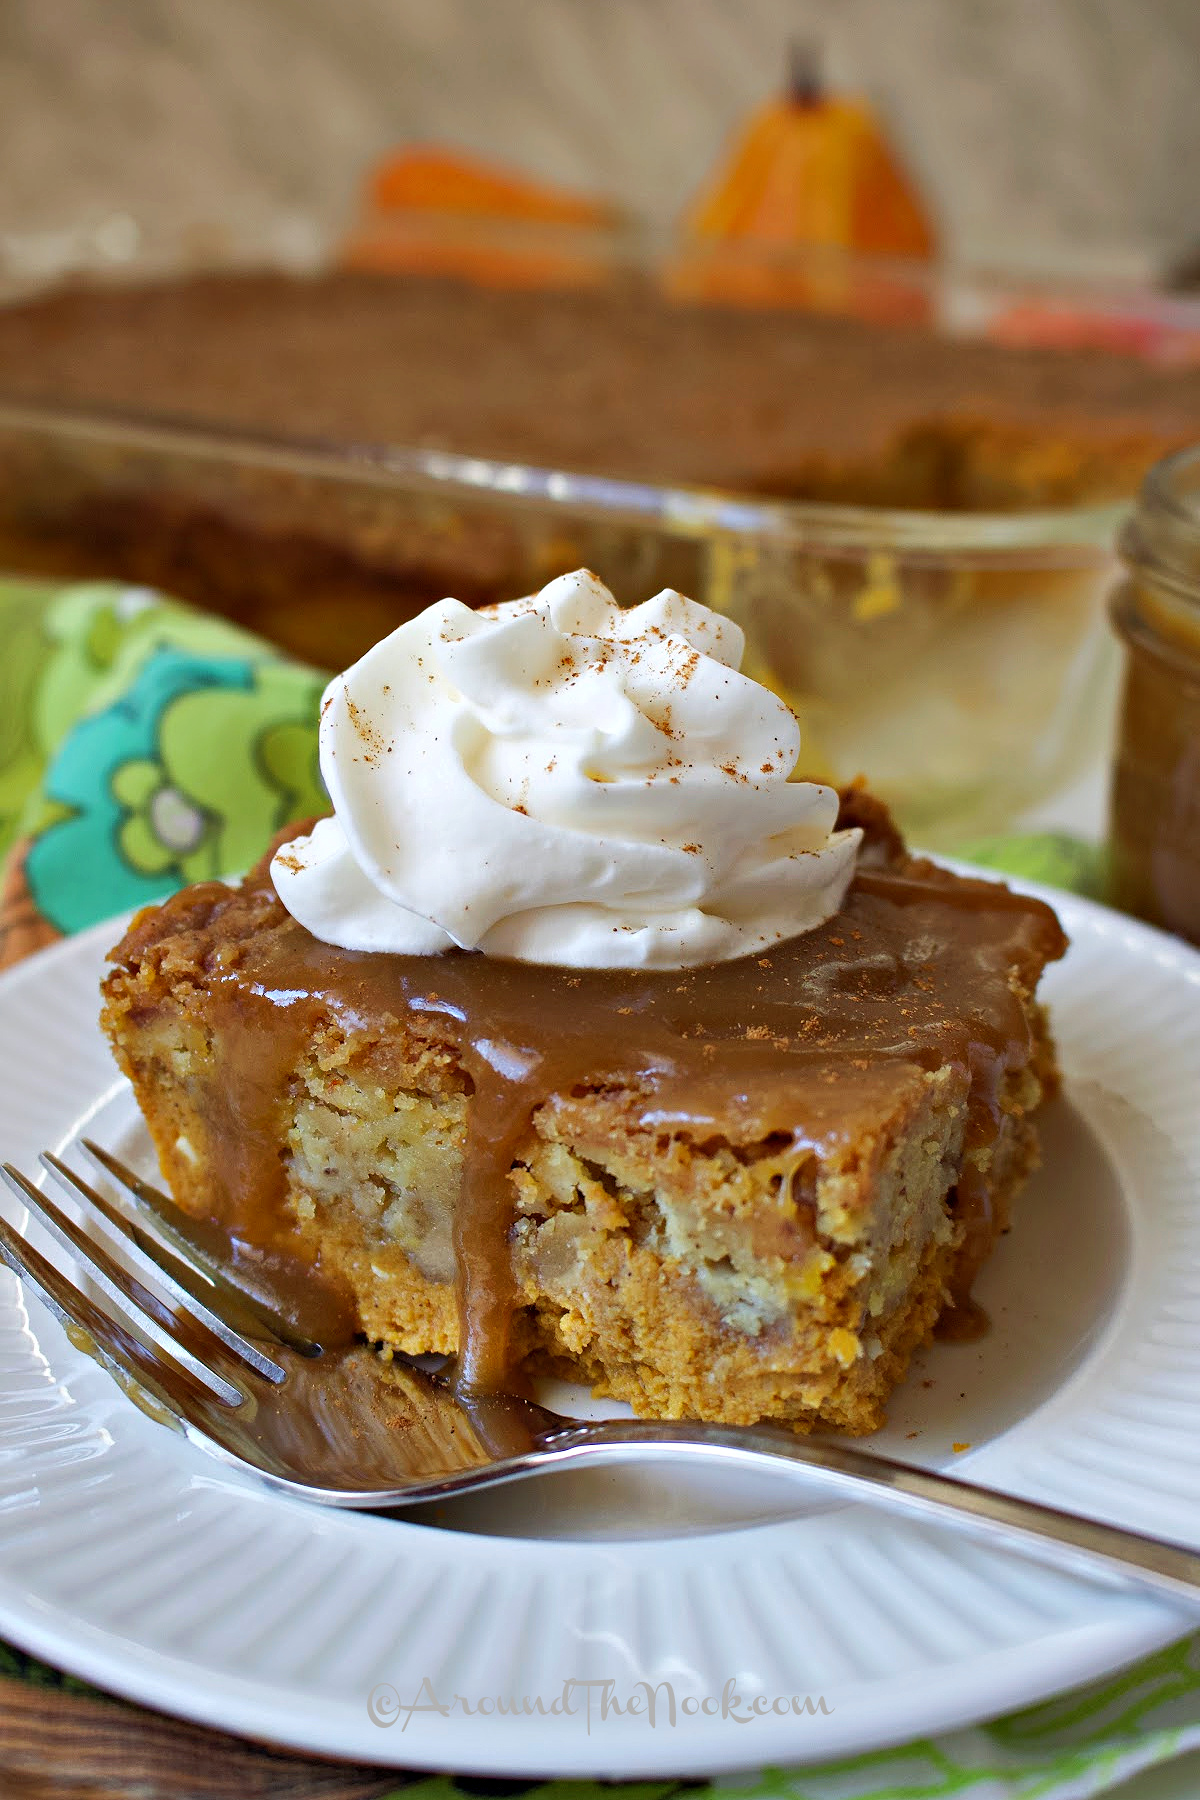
x=164 y=1318
x=173 y=1246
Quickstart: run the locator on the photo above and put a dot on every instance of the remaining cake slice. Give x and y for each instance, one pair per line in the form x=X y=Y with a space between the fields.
x=733 y=1191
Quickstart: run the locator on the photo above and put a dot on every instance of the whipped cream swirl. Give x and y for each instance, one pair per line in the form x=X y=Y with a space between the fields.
x=560 y=780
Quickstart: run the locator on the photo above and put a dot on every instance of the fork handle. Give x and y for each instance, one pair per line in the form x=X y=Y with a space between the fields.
x=1063 y=1540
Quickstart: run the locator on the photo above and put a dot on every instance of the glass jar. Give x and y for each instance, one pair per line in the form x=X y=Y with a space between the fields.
x=1155 y=814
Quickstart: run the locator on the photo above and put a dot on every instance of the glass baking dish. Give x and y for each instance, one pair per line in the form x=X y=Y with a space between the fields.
x=960 y=661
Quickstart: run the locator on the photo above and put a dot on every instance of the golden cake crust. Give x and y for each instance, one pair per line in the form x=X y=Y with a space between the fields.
x=788 y=402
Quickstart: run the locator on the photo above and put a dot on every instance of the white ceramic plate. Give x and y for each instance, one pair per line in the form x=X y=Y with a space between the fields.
x=130 y=1558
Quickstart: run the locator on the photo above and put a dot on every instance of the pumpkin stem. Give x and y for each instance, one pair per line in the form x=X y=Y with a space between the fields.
x=804 y=87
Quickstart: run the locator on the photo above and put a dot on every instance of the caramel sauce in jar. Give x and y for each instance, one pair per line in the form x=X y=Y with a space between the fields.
x=1155 y=803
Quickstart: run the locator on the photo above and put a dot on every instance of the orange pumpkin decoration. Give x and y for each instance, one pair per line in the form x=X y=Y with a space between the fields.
x=810 y=178
x=432 y=211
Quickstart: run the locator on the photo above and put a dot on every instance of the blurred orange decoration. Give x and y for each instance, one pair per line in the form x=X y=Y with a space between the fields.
x=811 y=208
x=433 y=211
x=1154 y=330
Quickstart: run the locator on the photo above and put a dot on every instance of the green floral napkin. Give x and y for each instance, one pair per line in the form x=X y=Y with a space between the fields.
x=144 y=745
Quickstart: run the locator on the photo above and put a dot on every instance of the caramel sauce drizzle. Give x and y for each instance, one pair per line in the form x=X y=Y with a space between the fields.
x=917 y=968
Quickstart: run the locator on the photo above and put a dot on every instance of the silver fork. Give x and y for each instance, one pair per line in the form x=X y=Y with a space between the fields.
x=348 y=1428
